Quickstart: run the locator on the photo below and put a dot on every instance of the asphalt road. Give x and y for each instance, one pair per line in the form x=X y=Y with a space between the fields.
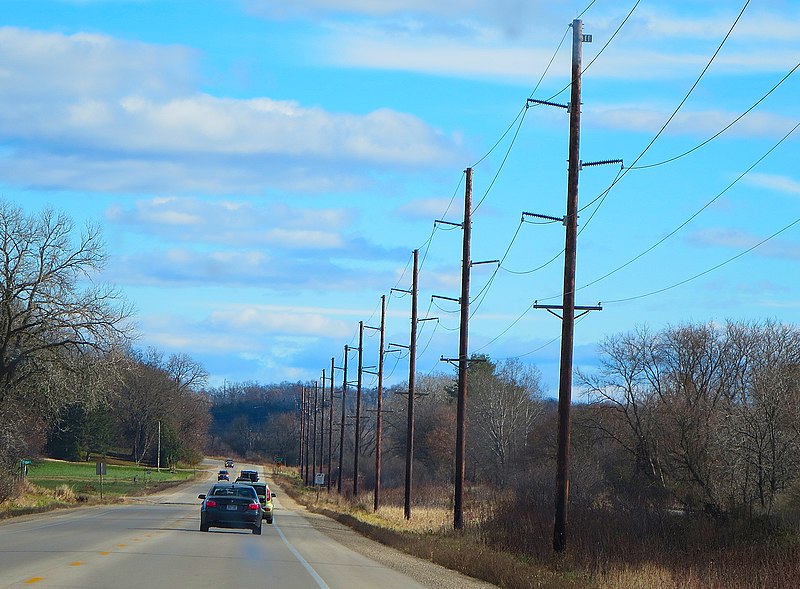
x=156 y=542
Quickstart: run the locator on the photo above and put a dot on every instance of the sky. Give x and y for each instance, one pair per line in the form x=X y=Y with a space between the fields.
x=262 y=170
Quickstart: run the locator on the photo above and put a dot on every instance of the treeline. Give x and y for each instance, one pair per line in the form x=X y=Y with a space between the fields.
x=255 y=421
x=70 y=383
x=156 y=404
x=696 y=418
x=705 y=416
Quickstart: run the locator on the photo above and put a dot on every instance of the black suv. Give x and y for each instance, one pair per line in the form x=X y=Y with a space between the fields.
x=250 y=475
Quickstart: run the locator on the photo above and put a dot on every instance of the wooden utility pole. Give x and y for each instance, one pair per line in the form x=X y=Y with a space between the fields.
x=412 y=370
x=322 y=426
x=568 y=320
x=330 y=432
x=358 y=406
x=463 y=359
x=314 y=435
x=379 y=416
x=302 y=429
x=308 y=434
x=341 y=426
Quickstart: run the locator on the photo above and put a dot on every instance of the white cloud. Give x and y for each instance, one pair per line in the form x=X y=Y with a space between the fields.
x=244 y=223
x=514 y=41
x=754 y=24
x=774 y=182
x=509 y=17
x=650 y=118
x=736 y=239
x=429 y=208
x=284 y=321
x=91 y=112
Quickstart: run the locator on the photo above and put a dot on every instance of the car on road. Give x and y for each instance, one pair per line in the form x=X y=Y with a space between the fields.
x=265 y=496
x=229 y=463
x=249 y=475
x=223 y=475
x=231 y=505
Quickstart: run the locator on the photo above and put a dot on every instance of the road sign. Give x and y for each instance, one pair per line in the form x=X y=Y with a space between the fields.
x=319 y=478
x=100 y=468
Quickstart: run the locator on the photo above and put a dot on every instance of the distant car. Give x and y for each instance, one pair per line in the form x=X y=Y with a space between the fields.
x=265 y=496
x=228 y=505
x=223 y=476
x=229 y=463
x=251 y=475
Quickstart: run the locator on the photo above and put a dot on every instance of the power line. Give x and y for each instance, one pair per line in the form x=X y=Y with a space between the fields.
x=721 y=131
x=506 y=330
x=691 y=218
x=502 y=163
x=525 y=108
x=602 y=49
x=611 y=38
x=625 y=171
x=720 y=265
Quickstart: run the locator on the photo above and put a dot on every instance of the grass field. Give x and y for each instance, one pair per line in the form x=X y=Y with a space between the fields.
x=54 y=483
x=119 y=480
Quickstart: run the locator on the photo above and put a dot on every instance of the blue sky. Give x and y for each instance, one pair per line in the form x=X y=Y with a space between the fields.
x=262 y=170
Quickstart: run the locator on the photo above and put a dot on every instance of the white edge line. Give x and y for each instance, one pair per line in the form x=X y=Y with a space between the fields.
x=320 y=582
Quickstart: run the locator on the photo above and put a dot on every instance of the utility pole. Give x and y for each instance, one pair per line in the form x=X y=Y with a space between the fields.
x=412 y=369
x=308 y=434
x=330 y=432
x=302 y=429
x=322 y=425
x=358 y=406
x=379 y=417
x=341 y=426
x=461 y=406
x=158 y=457
x=568 y=318
x=314 y=435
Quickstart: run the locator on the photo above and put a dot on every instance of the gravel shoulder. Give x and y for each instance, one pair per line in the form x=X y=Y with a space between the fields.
x=422 y=571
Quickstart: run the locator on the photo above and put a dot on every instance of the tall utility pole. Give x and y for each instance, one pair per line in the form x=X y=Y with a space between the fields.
x=568 y=321
x=322 y=425
x=341 y=426
x=308 y=434
x=158 y=456
x=379 y=417
x=302 y=427
x=461 y=406
x=358 y=406
x=314 y=435
x=412 y=370
x=330 y=432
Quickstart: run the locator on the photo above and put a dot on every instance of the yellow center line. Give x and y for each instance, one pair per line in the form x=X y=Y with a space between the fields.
x=77 y=563
x=104 y=553
x=33 y=580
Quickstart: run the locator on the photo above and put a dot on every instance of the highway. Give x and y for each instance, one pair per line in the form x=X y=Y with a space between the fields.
x=156 y=542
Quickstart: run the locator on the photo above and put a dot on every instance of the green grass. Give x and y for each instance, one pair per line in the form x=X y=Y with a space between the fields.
x=119 y=480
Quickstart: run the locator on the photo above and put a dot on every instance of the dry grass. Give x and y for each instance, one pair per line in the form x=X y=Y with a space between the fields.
x=507 y=541
x=33 y=499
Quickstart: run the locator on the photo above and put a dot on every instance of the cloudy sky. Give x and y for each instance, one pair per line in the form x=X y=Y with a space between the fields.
x=263 y=169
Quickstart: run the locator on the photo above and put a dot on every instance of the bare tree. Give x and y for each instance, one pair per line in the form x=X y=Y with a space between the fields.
x=54 y=321
x=503 y=406
x=708 y=413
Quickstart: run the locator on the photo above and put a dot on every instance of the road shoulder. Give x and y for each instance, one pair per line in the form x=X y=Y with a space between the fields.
x=422 y=571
